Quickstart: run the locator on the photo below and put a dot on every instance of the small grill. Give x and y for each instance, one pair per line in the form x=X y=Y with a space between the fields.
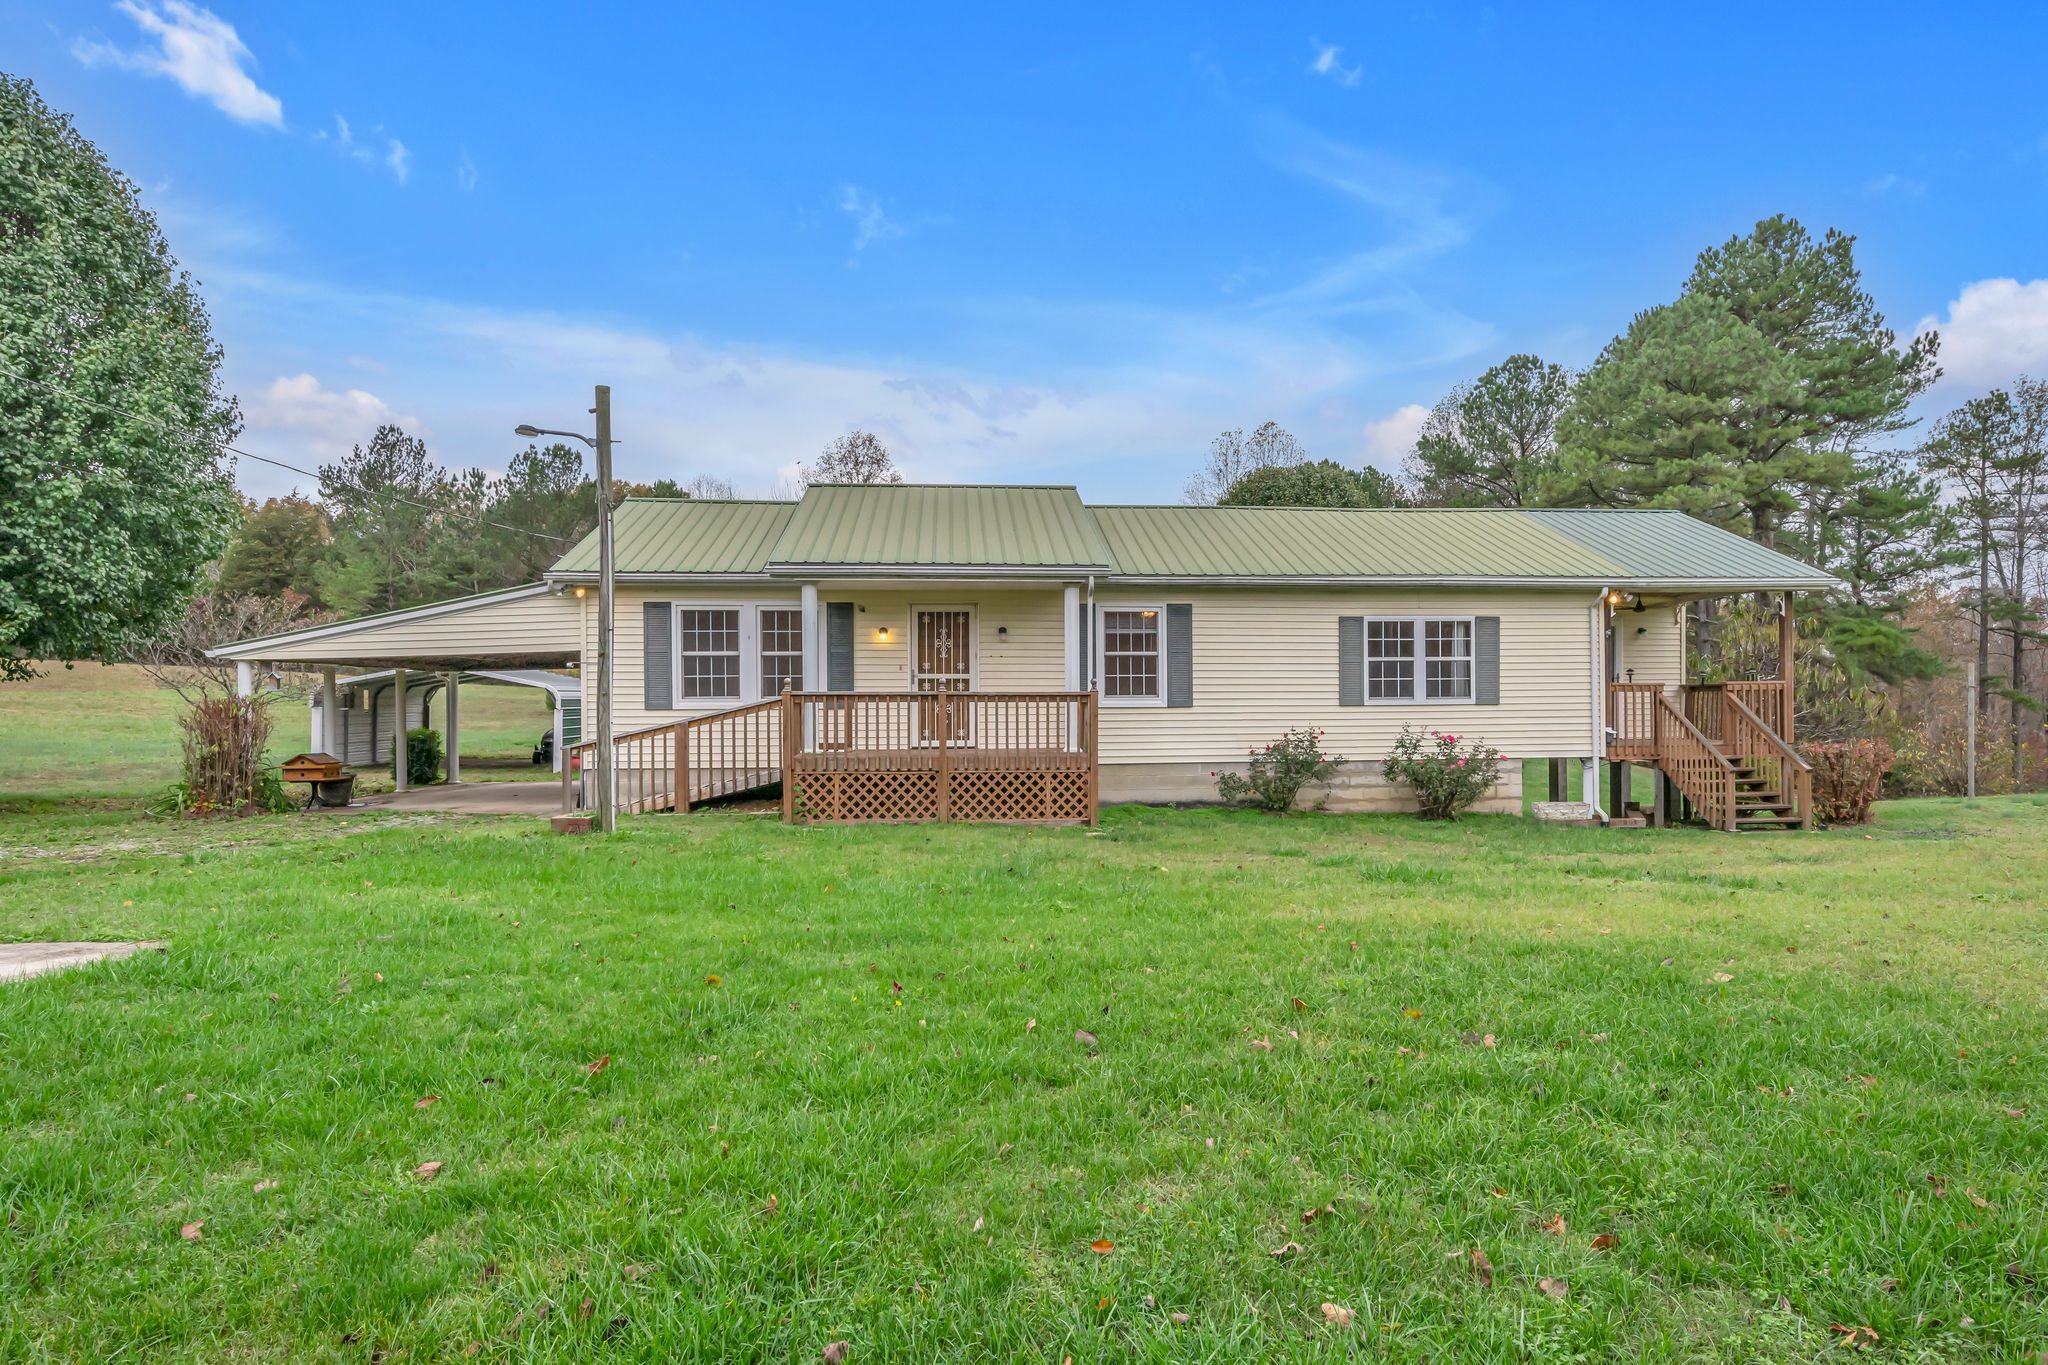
x=326 y=783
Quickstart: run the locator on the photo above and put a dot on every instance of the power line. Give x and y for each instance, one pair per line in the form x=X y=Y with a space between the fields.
x=193 y=438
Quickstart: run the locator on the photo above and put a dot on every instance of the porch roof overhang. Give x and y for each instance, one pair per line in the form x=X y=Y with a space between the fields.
x=534 y=625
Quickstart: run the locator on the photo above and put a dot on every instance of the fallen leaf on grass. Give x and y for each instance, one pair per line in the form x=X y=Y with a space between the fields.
x=1855 y=1338
x=1940 y=1183
x=1182 y=1318
x=2018 y=1274
x=1554 y=1225
x=1481 y=1267
x=600 y=1064
x=1554 y=1288
x=1336 y=1315
x=637 y=1271
x=771 y=1208
x=835 y=1352
x=1285 y=1251
x=1030 y=1024
x=714 y=979
x=1102 y=1246
x=426 y=1101
x=1265 y=1044
x=1723 y=977
x=1888 y=1285
x=1299 y=1003
x=1413 y=1014
x=976 y=1227
x=191 y=1231
x=1606 y=1241
x=2019 y=1113
x=585 y=1308
x=1476 y=1039
x=1084 y=1037
x=1975 y=1198
x=427 y=1170
x=263 y=1185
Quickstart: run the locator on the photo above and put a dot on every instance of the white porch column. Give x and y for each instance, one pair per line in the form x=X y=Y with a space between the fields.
x=1070 y=622
x=1589 y=784
x=245 y=678
x=454 y=728
x=398 y=728
x=814 y=643
x=331 y=740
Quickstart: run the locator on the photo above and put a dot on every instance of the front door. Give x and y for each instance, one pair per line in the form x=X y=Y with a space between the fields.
x=942 y=660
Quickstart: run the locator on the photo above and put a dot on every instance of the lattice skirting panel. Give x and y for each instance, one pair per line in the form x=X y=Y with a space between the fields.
x=973 y=795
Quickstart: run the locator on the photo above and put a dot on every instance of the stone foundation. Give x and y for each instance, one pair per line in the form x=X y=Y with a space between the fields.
x=1357 y=786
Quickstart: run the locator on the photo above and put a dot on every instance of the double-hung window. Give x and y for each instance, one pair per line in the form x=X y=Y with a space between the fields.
x=1133 y=655
x=1410 y=659
x=738 y=653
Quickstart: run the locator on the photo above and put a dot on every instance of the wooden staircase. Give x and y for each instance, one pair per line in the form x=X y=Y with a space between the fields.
x=1725 y=763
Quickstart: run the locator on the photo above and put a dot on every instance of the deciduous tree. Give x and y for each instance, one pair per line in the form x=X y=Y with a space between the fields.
x=1313 y=483
x=278 y=549
x=115 y=486
x=1233 y=454
x=857 y=457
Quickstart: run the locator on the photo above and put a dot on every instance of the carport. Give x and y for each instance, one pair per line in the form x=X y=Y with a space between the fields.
x=511 y=635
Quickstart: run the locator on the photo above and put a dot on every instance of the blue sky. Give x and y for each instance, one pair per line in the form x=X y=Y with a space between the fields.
x=1048 y=244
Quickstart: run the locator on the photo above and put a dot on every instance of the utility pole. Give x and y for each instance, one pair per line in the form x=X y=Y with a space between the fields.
x=1970 y=724
x=607 y=785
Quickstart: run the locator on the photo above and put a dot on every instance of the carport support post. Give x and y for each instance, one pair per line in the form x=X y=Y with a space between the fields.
x=399 y=743
x=331 y=741
x=454 y=727
x=245 y=678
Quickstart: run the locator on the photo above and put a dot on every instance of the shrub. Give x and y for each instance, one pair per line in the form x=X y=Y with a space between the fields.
x=1447 y=774
x=1279 y=771
x=223 y=740
x=422 y=756
x=1847 y=778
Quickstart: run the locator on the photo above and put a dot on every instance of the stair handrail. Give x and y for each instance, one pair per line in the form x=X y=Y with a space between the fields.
x=1795 y=768
x=1674 y=733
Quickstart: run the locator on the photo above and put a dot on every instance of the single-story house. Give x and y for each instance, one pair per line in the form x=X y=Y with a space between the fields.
x=1122 y=653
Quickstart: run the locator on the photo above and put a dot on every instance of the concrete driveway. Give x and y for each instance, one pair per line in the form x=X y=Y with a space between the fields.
x=19 y=960
x=540 y=799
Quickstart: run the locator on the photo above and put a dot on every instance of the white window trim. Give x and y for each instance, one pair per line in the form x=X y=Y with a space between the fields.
x=1421 y=661
x=1102 y=610
x=750 y=651
x=973 y=640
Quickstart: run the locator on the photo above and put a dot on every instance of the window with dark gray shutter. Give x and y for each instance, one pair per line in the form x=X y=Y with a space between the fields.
x=1486 y=660
x=839 y=646
x=657 y=621
x=1351 y=661
x=1180 y=654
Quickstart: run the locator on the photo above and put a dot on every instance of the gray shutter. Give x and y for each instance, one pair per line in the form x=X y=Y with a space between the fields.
x=839 y=646
x=657 y=668
x=1486 y=660
x=1351 y=661
x=1180 y=654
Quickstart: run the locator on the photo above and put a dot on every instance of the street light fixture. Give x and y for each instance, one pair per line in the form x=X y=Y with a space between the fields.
x=607 y=803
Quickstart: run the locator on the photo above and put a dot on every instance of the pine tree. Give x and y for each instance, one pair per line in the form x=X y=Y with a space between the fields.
x=277 y=550
x=1491 y=443
x=387 y=502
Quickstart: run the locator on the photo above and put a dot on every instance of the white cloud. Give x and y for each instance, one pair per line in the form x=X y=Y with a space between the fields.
x=396 y=156
x=198 y=50
x=870 y=223
x=465 y=173
x=1891 y=182
x=1388 y=440
x=307 y=418
x=1330 y=62
x=1996 y=330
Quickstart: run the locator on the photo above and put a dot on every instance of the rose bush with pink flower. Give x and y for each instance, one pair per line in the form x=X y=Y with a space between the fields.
x=1448 y=774
x=1279 y=771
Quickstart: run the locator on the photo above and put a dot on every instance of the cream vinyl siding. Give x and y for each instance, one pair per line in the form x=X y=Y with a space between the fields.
x=1031 y=657
x=541 y=623
x=1658 y=653
x=1265 y=661
x=629 y=646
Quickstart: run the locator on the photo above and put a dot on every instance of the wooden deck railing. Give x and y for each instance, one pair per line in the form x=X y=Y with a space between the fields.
x=701 y=757
x=1747 y=739
x=1632 y=717
x=907 y=756
x=1701 y=771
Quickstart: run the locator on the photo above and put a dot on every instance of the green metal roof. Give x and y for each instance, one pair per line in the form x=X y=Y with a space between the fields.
x=1335 y=542
x=939 y=526
x=1660 y=544
x=684 y=536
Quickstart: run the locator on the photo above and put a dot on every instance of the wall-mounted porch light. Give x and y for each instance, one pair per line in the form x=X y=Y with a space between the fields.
x=881 y=632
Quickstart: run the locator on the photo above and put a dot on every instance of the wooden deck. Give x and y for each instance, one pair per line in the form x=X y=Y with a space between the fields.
x=855 y=757
x=1725 y=749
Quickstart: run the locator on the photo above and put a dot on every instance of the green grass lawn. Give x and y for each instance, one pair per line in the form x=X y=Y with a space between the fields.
x=1724 y=1093
x=107 y=732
